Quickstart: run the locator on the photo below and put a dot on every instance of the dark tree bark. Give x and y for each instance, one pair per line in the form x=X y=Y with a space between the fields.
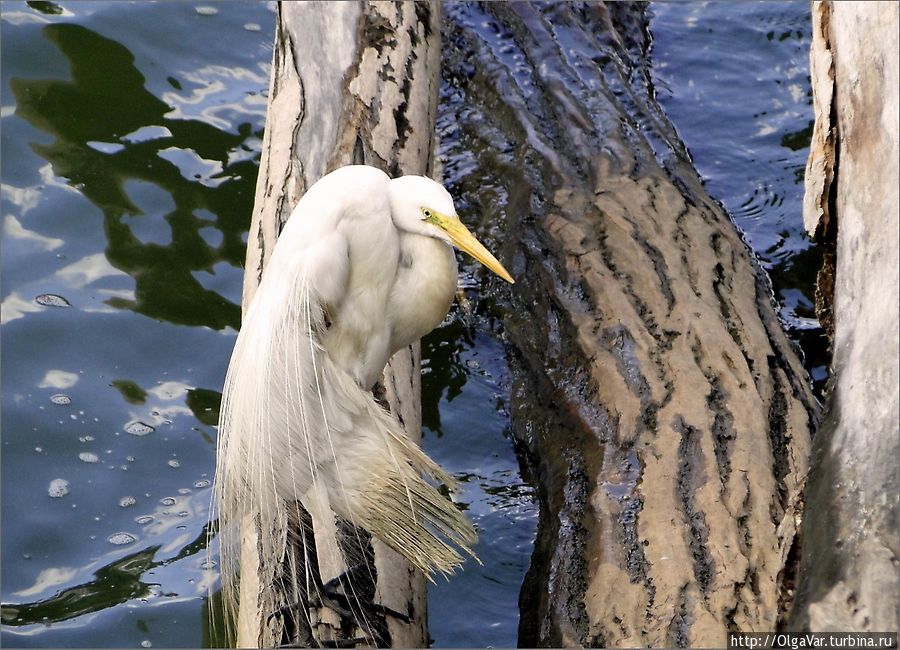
x=666 y=416
x=850 y=572
x=351 y=82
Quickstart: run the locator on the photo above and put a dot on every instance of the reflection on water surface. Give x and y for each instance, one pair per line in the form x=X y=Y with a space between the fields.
x=131 y=136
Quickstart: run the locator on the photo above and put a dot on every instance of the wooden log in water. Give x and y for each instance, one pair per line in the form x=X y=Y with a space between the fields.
x=665 y=416
x=849 y=573
x=351 y=82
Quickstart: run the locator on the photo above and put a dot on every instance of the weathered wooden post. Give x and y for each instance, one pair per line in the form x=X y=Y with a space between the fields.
x=352 y=82
x=850 y=572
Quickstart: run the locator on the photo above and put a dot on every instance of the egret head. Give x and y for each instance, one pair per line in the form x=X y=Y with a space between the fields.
x=420 y=205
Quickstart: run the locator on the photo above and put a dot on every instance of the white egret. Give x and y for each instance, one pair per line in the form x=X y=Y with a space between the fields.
x=363 y=268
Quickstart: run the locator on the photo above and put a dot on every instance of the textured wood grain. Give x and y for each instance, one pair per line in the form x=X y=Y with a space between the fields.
x=850 y=569
x=665 y=414
x=352 y=82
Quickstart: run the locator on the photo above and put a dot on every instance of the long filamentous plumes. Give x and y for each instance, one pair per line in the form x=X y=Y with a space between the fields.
x=295 y=426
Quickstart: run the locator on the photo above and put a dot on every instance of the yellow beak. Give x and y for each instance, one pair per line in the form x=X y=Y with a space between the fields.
x=466 y=242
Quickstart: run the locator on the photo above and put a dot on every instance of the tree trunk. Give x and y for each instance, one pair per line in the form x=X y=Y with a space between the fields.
x=849 y=571
x=666 y=416
x=352 y=82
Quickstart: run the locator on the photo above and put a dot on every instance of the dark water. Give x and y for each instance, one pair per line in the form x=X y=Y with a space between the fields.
x=131 y=137
x=130 y=141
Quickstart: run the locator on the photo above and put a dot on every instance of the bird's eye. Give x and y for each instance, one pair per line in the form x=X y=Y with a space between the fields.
x=426 y=212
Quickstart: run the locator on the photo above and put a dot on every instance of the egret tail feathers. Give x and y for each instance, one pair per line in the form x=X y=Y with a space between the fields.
x=406 y=512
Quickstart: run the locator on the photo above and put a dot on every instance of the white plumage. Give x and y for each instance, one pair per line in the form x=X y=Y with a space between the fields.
x=363 y=267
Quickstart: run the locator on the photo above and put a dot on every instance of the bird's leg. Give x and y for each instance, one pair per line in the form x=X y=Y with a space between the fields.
x=344 y=581
x=302 y=573
x=350 y=595
x=300 y=569
x=328 y=595
x=310 y=592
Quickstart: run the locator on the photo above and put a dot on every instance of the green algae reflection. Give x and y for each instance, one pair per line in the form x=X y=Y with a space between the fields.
x=105 y=101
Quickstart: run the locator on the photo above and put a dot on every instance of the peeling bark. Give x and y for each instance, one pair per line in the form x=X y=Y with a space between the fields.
x=818 y=196
x=850 y=571
x=665 y=414
x=351 y=82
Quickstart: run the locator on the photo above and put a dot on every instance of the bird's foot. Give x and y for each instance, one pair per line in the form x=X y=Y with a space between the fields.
x=336 y=590
x=334 y=596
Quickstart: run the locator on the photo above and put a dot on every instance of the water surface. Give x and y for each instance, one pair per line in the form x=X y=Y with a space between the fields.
x=130 y=143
